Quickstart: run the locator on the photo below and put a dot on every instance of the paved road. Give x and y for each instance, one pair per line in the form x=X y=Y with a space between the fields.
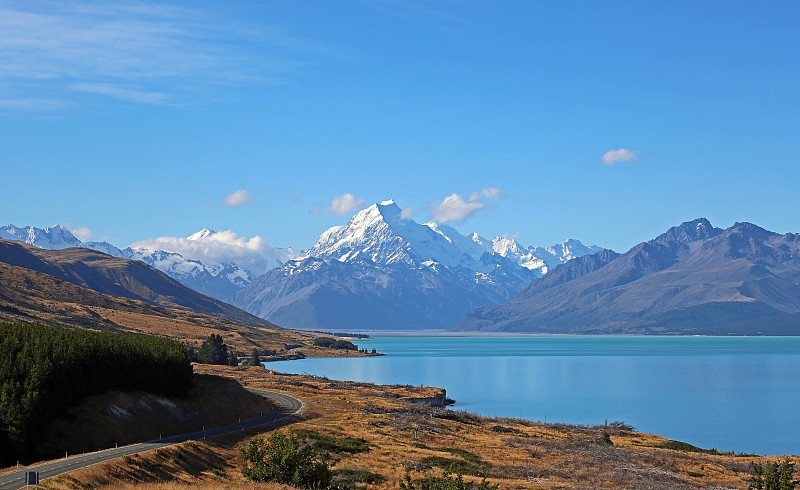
x=289 y=406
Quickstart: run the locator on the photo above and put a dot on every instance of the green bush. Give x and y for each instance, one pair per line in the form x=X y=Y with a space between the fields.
x=446 y=482
x=776 y=476
x=334 y=344
x=332 y=444
x=355 y=475
x=282 y=459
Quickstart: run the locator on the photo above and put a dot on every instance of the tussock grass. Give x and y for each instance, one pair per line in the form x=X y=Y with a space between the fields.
x=427 y=442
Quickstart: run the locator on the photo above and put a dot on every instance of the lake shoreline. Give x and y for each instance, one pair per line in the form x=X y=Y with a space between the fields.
x=664 y=385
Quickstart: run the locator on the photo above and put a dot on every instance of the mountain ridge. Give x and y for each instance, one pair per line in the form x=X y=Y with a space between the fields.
x=219 y=280
x=381 y=270
x=692 y=278
x=117 y=276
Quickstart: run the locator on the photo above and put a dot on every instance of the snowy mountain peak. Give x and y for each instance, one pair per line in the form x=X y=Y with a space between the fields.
x=379 y=234
x=204 y=233
x=53 y=238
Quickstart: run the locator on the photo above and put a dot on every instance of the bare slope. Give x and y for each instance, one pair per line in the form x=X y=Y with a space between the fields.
x=120 y=277
x=30 y=296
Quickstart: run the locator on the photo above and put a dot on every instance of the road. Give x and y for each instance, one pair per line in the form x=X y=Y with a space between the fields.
x=15 y=480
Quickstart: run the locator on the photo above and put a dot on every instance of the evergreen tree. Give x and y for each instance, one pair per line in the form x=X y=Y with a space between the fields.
x=255 y=360
x=233 y=358
x=213 y=351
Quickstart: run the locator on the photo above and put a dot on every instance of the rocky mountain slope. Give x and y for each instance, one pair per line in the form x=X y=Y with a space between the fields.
x=119 y=277
x=693 y=279
x=382 y=271
x=218 y=280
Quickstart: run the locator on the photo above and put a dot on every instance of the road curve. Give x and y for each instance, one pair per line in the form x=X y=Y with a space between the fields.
x=15 y=480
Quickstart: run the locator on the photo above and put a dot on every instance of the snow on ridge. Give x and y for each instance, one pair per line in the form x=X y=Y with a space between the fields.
x=199 y=235
x=379 y=233
x=52 y=238
x=232 y=268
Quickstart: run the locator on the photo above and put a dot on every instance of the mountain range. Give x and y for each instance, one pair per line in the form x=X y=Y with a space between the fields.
x=119 y=277
x=218 y=280
x=383 y=271
x=692 y=279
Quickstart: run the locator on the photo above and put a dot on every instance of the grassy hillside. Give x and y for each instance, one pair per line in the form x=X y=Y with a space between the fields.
x=30 y=296
x=120 y=277
x=400 y=437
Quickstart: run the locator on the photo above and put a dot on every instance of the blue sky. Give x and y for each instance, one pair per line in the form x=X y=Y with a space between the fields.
x=138 y=120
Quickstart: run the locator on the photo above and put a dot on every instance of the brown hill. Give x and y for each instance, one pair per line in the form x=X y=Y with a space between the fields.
x=31 y=296
x=120 y=277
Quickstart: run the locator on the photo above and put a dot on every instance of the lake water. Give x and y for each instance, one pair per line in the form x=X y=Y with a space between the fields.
x=731 y=393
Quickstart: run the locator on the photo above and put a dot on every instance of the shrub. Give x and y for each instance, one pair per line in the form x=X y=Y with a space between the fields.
x=776 y=476
x=445 y=482
x=344 y=476
x=460 y=466
x=282 y=459
x=334 y=344
x=332 y=444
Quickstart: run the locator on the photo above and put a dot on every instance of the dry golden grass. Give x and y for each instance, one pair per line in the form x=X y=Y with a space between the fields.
x=30 y=296
x=513 y=453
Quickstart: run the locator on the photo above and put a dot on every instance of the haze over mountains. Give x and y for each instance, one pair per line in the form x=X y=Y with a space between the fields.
x=693 y=279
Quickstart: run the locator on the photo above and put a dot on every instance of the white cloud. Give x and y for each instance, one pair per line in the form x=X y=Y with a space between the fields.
x=407 y=213
x=120 y=92
x=238 y=199
x=621 y=155
x=454 y=208
x=492 y=193
x=252 y=254
x=144 y=53
x=82 y=233
x=344 y=204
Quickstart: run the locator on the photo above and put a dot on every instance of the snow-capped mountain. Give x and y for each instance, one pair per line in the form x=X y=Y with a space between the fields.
x=217 y=279
x=381 y=271
x=380 y=233
x=693 y=279
x=53 y=238
x=542 y=258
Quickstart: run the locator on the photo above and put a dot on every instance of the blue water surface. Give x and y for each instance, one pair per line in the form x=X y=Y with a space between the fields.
x=731 y=393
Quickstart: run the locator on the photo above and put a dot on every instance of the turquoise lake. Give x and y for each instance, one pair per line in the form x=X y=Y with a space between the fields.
x=730 y=393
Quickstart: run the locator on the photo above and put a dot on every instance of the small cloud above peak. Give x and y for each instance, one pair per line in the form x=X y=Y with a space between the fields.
x=238 y=199
x=344 y=204
x=81 y=233
x=455 y=208
x=621 y=155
